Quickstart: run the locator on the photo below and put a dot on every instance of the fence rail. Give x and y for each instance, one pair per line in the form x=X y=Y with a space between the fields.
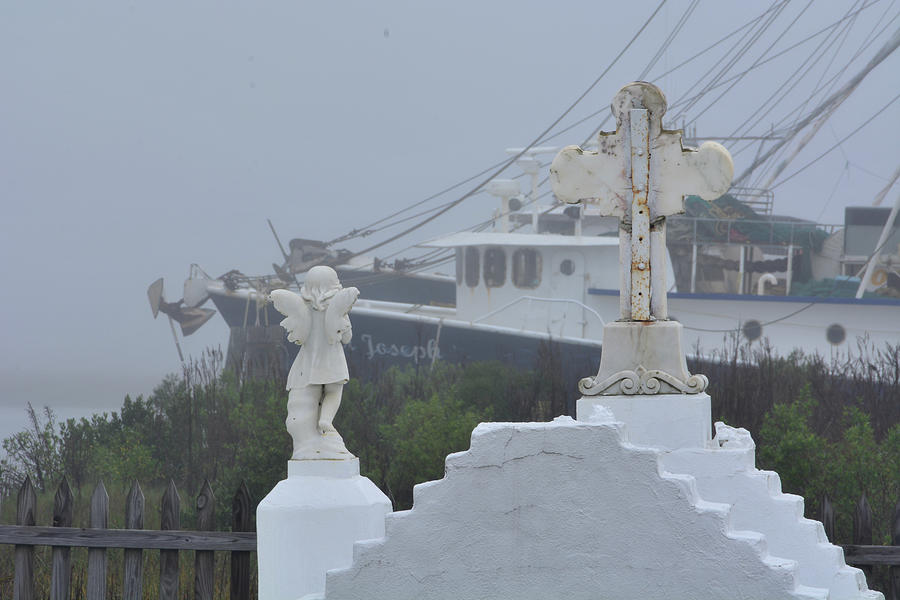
x=98 y=537
x=241 y=541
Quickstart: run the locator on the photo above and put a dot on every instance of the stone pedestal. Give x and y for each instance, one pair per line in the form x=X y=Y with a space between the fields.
x=569 y=509
x=642 y=358
x=309 y=522
x=665 y=421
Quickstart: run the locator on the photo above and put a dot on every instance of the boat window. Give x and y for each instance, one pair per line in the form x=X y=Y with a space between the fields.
x=836 y=334
x=567 y=266
x=494 y=267
x=459 y=266
x=526 y=268
x=472 y=267
x=752 y=330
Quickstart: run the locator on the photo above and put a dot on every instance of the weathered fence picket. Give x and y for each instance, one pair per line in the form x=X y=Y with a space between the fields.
x=97 y=537
x=96 y=579
x=862 y=529
x=203 y=559
x=134 y=519
x=828 y=517
x=23 y=587
x=894 y=572
x=241 y=520
x=62 y=566
x=170 y=518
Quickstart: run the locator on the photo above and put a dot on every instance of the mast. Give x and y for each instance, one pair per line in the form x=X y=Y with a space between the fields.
x=822 y=111
x=882 y=239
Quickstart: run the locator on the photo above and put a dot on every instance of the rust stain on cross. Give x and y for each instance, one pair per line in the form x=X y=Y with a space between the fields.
x=641 y=173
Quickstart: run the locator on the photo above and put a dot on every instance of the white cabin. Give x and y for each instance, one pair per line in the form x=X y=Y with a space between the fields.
x=536 y=282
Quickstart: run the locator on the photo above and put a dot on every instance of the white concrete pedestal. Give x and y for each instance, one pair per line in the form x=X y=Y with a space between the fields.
x=309 y=522
x=665 y=421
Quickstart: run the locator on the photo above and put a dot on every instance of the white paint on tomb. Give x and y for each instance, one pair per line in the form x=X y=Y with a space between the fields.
x=724 y=471
x=570 y=509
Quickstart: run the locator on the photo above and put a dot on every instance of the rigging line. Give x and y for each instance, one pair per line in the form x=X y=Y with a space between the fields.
x=418 y=203
x=741 y=48
x=773 y=321
x=685 y=103
x=481 y=224
x=594 y=132
x=867 y=171
x=358 y=232
x=510 y=161
x=367 y=230
x=840 y=147
x=429 y=210
x=871 y=37
x=834 y=189
x=665 y=45
x=794 y=79
x=682 y=21
x=781 y=53
x=669 y=72
x=705 y=89
x=668 y=41
x=775 y=162
x=766 y=51
x=843 y=139
x=846 y=34
x=714 y=44
x=662 y=49
x=384 y=276
x=477 y=226
x=836 y=98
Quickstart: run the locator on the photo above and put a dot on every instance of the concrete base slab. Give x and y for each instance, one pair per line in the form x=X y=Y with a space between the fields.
x=309 y=522
x=665 y=421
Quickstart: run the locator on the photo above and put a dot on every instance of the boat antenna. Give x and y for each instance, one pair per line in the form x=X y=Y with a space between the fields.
x=282 y=272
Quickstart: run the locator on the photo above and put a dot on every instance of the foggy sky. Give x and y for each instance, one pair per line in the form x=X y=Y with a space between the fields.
x=137 y=138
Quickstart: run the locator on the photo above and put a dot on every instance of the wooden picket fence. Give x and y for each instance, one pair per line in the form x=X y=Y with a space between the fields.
x=169 y=540
x=241 y=541
x=861 y=552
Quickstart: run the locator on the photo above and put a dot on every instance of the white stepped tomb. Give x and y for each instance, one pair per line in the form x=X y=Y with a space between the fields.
x=574 y=509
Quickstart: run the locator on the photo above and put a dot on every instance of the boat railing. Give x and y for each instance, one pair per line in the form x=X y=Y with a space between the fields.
x=713 y=230
x=530 y=299
x=759 y=199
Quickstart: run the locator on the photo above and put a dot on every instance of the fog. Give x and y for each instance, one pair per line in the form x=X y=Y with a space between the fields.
x=138 y=138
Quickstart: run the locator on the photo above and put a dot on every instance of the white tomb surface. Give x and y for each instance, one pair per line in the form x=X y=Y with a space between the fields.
x=636 y=499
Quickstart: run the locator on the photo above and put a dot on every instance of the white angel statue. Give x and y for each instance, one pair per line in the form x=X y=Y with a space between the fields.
x=318 y=320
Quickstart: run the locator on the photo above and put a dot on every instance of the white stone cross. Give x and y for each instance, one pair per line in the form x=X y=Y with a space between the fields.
x=641 y=174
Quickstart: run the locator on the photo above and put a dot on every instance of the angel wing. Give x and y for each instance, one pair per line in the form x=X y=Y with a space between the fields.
x=298 y=319
x=336 y=320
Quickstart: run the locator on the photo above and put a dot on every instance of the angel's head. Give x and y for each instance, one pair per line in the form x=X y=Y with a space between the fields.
x=319 y=285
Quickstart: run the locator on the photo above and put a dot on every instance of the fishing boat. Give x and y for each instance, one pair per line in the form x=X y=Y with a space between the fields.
x=541 y=279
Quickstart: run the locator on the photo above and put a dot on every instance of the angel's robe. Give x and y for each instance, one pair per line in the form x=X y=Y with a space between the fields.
x=318 y=362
